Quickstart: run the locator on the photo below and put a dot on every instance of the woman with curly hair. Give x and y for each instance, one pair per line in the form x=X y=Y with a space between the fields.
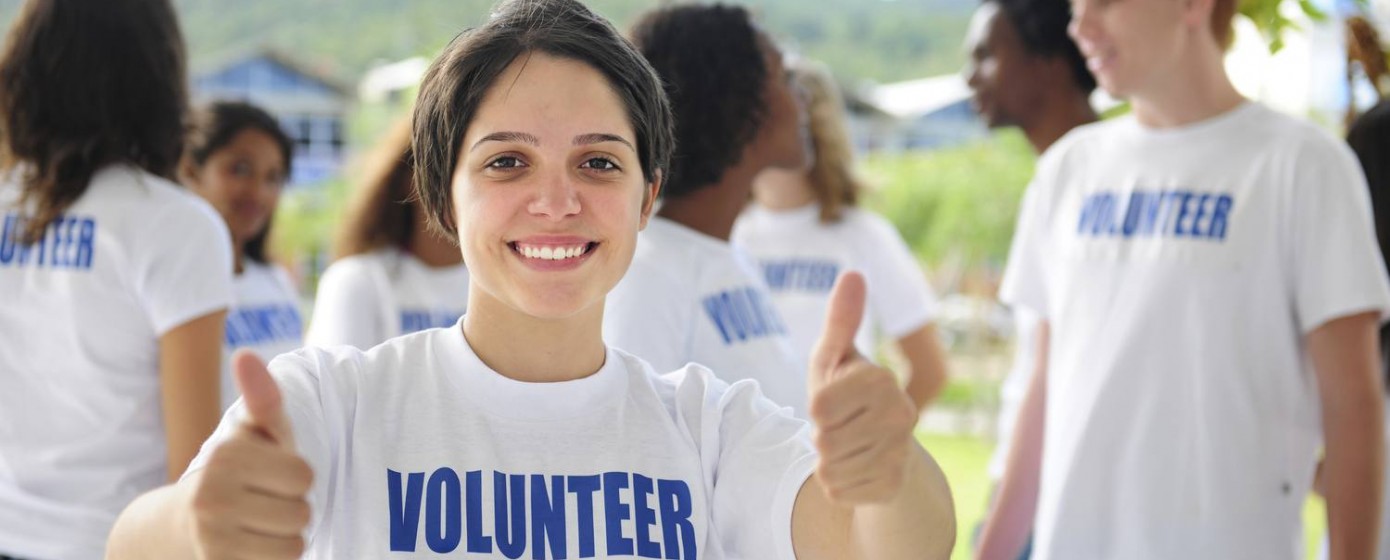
x=690 y=295
x=805 y=228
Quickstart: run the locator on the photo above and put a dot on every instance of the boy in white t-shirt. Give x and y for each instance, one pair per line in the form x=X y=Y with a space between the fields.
x=1189 y=263
x=541 y=140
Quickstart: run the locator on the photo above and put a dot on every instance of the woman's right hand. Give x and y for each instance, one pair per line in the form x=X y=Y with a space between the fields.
x=250 y=500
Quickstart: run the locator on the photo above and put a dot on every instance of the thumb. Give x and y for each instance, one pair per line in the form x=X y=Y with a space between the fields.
x=261 y=396
x=842 y=320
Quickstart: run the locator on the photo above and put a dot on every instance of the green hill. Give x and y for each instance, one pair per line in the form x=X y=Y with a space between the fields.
x=881 y=40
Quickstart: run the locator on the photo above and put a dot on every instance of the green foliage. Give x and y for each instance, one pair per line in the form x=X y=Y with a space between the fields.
x=1272 y=23
x=959 y=203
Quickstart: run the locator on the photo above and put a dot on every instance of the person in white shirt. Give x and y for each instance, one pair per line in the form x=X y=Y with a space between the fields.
x=691 y=296
x=237 y=158
x=1025 y=72
x=1209 y=289
x=541 y=138
x=116 y=281
x=804 y=228
x=391 y=274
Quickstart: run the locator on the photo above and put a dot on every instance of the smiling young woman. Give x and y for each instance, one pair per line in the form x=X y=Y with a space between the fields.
x=540 y=141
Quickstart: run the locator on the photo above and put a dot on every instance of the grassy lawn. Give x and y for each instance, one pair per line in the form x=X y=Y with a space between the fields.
x=964 y=459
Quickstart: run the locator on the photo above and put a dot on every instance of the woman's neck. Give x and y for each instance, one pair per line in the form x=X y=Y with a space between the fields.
x=532 y=349
x=238 y=258
x=781 y=189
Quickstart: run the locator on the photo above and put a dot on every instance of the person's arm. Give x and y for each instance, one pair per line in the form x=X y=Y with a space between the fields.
x=1346 y=358
x=876 y=493
x=926 y=362
x=248 y=500
x=916 y=521
x=1010 y=522
x=190 y=370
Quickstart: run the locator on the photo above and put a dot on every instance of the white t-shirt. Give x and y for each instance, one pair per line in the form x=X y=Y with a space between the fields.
x=365 y=299
x=81 y=427
x=1014 y=388
x=800 y=257
x=689 y=297
x=1180 y=271
x=415 y=442
x=264 y=318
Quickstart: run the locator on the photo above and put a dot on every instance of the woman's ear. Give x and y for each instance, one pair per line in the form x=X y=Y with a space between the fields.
x=187 y=172
x=649 y=195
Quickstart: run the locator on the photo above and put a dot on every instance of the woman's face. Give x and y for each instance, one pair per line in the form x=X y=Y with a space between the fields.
x=548 y=192
x=242 y=180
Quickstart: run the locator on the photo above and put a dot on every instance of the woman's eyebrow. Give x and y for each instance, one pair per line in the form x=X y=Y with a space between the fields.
x=507 y=136
x=600 y=137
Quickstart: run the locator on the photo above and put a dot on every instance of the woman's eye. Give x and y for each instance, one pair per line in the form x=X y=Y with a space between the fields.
x=241 y=169
x=601 y=164
x=504 y=162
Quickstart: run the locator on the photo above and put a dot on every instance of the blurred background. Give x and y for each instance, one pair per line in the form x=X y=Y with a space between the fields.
x=336 y=73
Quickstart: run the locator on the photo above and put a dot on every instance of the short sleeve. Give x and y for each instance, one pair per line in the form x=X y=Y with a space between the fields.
x=185 y=270
x=347 y=308
x=1336 y=267
x=297 y=376
x=765 y=456
x=647 y=316
x=898 y=290
x=1025 y=279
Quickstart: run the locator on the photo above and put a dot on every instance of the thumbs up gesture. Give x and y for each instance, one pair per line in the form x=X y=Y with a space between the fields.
x=250 y=499
x=863 y=420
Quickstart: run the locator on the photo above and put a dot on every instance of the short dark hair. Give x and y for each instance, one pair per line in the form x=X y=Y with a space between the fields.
x=710 y=61
x=1369 y=137
x=214 y=125
x=84 y=84
x=456 y=82
x=1042 y=26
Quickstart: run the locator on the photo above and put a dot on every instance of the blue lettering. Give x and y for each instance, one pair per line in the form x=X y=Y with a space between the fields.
x=645 y=517
x=1196 y=230
x=1219 y=217
x=615 y=512
x=583 y=488
x=405 y=515
x=673 y=498
x=1133 y=213
x=511 y=531
x=477 y=541
x=713 y=309
x=9 y=239
x=443 y=511
x=86 y=238
x=548 y=517
x=1182 y=214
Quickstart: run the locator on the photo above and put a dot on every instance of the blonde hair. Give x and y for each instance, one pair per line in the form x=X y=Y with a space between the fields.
x=831 y=177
